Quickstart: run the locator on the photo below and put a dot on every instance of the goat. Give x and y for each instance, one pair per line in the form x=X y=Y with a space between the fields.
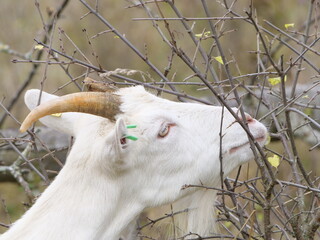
x=110 y=177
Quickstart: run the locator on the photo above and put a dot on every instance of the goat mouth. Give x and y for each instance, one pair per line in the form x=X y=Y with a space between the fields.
x=235 y=149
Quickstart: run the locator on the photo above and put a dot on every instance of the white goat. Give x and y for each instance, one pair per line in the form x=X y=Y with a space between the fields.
x=108 y=178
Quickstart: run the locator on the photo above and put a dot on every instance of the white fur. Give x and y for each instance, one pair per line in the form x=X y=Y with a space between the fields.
x=105 y=185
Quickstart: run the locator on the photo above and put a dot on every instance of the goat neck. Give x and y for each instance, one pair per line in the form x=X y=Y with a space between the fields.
x=85 y=201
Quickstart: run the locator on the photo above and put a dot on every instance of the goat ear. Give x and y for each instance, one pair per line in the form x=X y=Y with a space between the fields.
x=120 y=141
x=63 y=123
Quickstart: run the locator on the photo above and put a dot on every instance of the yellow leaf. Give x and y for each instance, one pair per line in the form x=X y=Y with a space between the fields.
x=219 y=59
x=289 y=25
x=305 y=96
x=56 y=114
x=274 y=161
x=38 y=47
x=227 y=224
x=260 y=216
x=116 y=37
x=276 y=80
x=308 y=111
x=205 y=34
x=258 y=207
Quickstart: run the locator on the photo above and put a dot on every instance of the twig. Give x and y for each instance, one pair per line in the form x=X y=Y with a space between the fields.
x=188 y=19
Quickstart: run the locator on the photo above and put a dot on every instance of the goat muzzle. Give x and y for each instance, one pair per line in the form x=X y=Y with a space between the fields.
x=104 y=104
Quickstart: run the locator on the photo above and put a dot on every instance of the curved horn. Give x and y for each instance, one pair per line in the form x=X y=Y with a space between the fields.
x=97 y=103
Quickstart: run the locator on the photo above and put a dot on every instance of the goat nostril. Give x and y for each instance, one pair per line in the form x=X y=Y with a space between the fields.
x=249 y=119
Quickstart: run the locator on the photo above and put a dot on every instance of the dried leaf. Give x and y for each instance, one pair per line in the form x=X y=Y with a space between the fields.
x=122 y=71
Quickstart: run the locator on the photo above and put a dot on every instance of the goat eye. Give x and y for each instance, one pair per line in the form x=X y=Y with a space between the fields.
x=164 y=131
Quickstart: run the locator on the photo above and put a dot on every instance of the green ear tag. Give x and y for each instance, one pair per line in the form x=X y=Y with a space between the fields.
x=133 y=138
x=131 y=126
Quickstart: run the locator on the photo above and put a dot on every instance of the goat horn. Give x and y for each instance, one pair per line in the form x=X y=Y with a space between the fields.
x=97 y=103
